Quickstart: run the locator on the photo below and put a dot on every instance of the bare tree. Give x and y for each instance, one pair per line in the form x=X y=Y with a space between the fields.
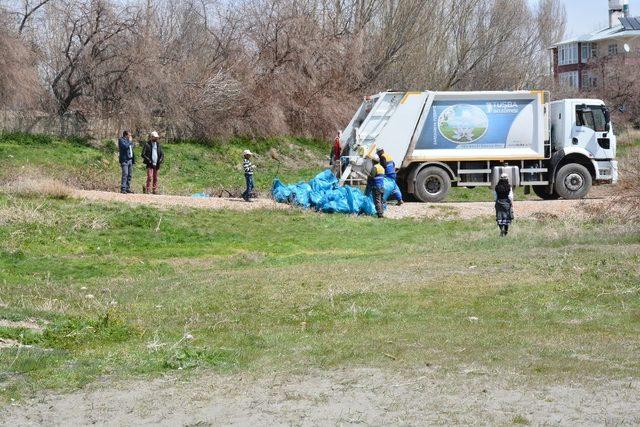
x=87 y=60
x=213 y=67
x=29 y=8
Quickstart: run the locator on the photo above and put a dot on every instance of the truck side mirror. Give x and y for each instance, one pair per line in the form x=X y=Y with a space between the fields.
x=607 y=126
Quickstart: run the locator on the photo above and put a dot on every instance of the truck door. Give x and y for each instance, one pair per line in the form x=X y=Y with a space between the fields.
x=592 y=131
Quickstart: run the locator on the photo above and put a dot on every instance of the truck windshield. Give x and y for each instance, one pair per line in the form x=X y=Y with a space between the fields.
x=594 y=119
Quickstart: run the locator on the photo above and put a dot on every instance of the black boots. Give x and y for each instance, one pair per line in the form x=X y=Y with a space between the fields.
x=504 y=229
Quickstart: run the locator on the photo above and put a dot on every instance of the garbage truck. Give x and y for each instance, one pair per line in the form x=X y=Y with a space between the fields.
x=440 y=140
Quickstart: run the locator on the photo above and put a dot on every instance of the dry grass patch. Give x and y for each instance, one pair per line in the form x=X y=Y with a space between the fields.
x=626 y=201
x=38 y=187
x=21 y=212
x=628 y=137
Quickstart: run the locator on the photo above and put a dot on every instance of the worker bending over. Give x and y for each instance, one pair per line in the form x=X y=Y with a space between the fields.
x=390 y=172
x=375 y=185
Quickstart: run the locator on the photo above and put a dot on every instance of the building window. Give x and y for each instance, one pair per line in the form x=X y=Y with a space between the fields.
x=569 y=79
x=589 y=50
x=589 y=81
x=568 y=54
x=586 y=52
x=613 y=49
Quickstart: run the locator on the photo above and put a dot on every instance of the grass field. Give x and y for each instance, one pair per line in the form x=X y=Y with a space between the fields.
x=125 y=291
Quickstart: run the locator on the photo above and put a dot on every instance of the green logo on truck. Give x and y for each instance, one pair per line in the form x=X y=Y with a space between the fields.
x=463 y=123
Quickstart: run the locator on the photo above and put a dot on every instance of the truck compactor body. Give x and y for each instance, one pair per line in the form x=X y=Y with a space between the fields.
x=444 y=139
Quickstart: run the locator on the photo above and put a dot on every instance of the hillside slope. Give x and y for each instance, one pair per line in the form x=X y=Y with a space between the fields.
x=190 y=167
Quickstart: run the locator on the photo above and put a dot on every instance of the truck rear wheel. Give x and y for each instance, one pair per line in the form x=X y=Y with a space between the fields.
x=543 y=192
x=573 y=181
x=432 y=184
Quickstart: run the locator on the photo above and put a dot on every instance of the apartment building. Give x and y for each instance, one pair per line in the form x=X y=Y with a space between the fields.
x=573 y=60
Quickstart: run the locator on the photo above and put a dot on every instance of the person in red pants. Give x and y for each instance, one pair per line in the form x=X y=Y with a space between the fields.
x=152 y=156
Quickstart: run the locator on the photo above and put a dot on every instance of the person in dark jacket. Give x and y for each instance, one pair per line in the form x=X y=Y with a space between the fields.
x=503 y=194
x=152 y=156
x=127 y=159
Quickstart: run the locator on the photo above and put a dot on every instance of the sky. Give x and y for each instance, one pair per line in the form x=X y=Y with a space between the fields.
x=585 y=16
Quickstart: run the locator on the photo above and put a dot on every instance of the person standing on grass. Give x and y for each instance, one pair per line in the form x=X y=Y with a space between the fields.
x=503 y=194
x=390 y=172
x=248 y=175
x=127 y=160
x=152 y=156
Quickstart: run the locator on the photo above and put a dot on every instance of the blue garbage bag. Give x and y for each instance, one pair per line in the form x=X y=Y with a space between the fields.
x=323 y=181
x=295 y=194
x=390 y=186
x=364 y=204
x=280 y=191
x=325 y=195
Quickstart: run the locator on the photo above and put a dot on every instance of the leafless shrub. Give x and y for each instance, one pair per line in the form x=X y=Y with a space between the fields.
x=19 y=86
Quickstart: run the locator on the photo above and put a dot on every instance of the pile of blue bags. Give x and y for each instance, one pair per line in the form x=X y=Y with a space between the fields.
x=323 y=194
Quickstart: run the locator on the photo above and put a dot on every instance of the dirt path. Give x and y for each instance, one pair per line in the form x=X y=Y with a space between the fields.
x=339 y=397
x=536 y=209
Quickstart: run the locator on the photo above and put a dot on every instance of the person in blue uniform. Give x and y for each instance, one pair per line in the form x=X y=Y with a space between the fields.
x=375 y=186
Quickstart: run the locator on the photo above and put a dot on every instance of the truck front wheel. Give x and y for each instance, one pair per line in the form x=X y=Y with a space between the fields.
x=573 y=181
x=543 y=192
x=432 y=184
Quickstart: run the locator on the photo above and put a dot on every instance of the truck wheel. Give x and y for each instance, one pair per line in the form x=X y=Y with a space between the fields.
x=573 y=181
x=543 y=192
x=432 y=184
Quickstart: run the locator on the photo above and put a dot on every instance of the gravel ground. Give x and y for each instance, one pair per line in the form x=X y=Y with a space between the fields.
x=536 y=209
x=364 y=396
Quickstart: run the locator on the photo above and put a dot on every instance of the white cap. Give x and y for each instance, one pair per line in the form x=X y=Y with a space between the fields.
x=504 y=175
x=247 y=152
x=375 y=158
x=154 y=134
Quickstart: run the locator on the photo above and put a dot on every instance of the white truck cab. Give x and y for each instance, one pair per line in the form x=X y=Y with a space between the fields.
x=581 y=132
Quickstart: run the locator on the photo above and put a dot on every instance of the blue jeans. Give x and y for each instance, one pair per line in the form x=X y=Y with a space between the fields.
x=249 y=180
x=125 y=182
